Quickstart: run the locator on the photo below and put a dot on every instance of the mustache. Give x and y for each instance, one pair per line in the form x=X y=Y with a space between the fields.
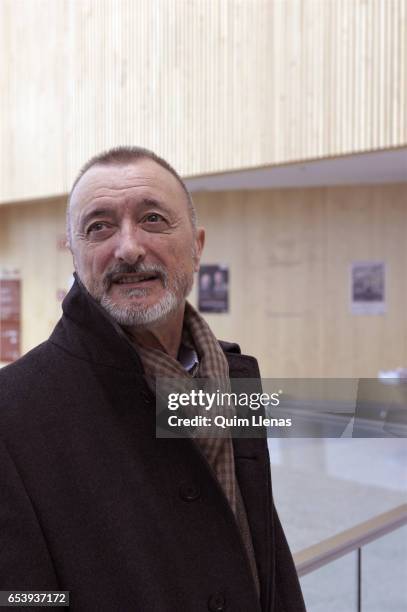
x=140 y=268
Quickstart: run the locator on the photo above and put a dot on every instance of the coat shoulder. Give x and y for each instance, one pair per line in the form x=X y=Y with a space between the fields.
x=26 y=368
x=240 y=365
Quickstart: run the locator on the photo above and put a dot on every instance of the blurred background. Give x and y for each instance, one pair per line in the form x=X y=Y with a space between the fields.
x=288 y=121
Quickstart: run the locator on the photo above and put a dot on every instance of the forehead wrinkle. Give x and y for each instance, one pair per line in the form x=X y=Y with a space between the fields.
x=130 y=186
x=151 y=199
x=107 y=187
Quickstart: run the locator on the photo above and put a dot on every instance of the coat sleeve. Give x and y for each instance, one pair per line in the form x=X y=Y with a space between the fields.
x=25 y=562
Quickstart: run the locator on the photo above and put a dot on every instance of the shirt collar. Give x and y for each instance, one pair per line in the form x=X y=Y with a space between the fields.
x=188 y=358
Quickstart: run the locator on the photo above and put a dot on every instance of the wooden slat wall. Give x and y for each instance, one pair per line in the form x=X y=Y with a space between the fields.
x=289 y=253
x=209 y=84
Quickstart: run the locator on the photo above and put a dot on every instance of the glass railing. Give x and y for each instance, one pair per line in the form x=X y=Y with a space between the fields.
x=361 y=569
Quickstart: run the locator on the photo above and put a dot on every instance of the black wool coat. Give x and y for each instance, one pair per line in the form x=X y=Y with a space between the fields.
x=92 y=503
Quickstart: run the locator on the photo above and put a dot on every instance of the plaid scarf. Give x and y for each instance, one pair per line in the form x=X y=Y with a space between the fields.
x=213 y=364
x=218 y=451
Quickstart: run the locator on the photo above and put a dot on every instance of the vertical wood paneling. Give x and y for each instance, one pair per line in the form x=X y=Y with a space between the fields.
x=209 y=85
x=289 y=254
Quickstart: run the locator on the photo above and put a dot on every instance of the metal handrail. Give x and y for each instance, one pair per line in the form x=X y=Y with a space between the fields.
x=312 y=558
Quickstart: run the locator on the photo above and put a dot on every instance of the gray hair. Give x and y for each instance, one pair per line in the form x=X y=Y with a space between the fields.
x=122 y=155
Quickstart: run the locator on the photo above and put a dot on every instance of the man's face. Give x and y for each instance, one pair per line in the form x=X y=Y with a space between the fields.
x=132 y=241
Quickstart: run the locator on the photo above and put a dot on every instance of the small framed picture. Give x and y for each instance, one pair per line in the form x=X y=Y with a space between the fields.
x=213 y=288
x=367 y=287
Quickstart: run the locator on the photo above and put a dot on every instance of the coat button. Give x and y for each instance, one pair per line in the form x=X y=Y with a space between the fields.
x=216 y=603
x=189 y=492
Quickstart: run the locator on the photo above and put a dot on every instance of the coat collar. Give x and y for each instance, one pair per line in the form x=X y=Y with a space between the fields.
x=88 y=332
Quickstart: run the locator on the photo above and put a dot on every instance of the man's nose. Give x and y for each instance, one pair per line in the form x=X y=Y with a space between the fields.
x=130 y=247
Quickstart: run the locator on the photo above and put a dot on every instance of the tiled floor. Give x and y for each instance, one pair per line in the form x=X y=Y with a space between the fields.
x=323 y=486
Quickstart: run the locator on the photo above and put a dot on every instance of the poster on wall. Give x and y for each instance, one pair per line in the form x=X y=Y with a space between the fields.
x=10 y=319
x=213 y=288
x=368 y=287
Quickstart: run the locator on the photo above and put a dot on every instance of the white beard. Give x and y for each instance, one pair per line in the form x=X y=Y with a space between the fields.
x=132 y=316
x=136 y=315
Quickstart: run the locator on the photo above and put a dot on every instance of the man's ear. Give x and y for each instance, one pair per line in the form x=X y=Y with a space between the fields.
x=199 y=245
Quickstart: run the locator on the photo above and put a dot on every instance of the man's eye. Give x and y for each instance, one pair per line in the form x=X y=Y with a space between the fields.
x=153 y=218
x=96 y=227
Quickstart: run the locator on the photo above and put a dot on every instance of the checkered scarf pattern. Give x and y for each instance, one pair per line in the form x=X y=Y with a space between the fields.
x=213 y=364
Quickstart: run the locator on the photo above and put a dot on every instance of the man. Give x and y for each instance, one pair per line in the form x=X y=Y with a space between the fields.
x=92 y=502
